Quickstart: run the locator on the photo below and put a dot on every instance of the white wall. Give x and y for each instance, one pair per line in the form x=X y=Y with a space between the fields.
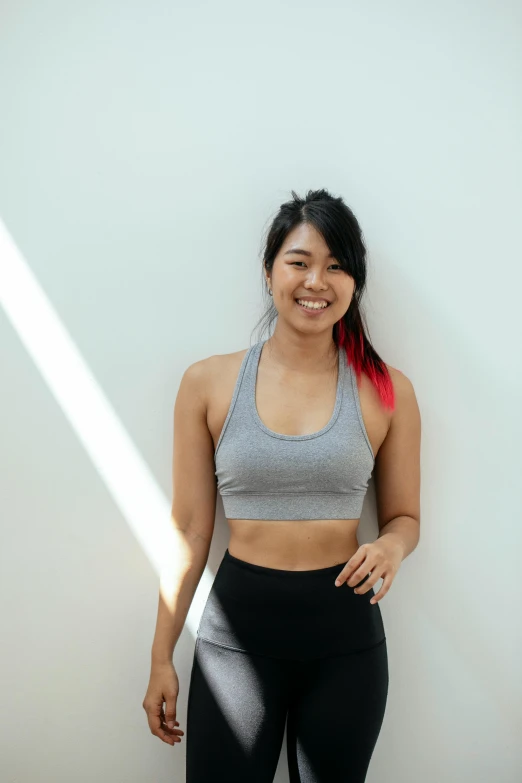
x=143 y=149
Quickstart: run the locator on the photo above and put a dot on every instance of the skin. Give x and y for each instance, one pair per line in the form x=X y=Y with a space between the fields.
x=295 y=393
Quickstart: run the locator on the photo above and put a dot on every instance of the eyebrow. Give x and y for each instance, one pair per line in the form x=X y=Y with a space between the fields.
x=301 y=252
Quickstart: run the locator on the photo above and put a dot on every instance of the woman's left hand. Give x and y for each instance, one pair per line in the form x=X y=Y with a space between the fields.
x=382 y=557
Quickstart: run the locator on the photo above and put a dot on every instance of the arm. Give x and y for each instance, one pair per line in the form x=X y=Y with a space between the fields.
x=193 y=511
x=397 y=485
x=397 y=471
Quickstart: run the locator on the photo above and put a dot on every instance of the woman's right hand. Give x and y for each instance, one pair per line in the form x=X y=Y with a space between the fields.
x=163 y=687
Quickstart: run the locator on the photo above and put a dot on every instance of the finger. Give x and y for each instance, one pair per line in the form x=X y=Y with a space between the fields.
x=348 y=573
x=174 y=731
x=165 y=736
x=351 y=577
x=355 y=562
x=171 y=735
x=164 y=733
x=157 y=726
x=170 y=711
x=387 y=580
x=361 y=575
x=155 y=720
x=367 y=585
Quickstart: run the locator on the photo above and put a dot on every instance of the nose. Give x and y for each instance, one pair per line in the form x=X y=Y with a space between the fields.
x=315 y=282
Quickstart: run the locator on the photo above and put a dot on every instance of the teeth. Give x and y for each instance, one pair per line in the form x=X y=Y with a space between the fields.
x=312 y=306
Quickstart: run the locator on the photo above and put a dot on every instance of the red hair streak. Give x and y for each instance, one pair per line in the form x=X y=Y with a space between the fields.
x=363 y=361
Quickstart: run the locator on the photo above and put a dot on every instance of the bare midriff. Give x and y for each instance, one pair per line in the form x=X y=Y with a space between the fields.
x=291 y=545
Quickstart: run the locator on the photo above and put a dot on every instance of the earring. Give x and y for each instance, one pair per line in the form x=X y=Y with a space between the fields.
x=270 y=292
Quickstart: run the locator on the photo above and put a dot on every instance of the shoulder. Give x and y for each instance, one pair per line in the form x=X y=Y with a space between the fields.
x=405 y=397
x=401 y=383
x=201 y=375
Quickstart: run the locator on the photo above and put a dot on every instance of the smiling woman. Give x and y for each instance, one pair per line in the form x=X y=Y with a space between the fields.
x=290 y=431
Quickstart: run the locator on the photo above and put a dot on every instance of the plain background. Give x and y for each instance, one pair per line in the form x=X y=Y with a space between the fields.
x=144 y=147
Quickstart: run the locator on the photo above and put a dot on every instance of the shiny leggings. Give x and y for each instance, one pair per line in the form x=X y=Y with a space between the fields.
x=285 y=648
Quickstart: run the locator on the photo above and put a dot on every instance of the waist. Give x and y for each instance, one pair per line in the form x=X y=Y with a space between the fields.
x=293 y=545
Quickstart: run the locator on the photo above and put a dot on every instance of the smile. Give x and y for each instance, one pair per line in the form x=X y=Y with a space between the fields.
x=313 y=309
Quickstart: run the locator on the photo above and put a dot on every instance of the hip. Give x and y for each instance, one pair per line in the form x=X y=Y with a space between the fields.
x=285 y=614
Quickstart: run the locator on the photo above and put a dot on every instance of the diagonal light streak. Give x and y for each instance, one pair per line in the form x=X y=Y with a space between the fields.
x=92 y=417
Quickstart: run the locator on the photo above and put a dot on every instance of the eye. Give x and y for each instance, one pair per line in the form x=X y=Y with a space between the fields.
x=302 y=262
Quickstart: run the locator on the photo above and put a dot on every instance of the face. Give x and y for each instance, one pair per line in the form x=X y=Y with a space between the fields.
x=304 y=270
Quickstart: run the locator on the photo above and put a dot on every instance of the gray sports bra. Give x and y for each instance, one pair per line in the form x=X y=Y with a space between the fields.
x=262 y=474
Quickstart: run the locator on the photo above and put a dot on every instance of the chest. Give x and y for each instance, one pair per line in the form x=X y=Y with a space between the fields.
x=294 y=405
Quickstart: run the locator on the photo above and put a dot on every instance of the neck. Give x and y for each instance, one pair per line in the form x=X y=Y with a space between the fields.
x=303 y=353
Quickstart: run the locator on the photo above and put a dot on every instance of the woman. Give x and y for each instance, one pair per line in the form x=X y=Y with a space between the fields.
x=289 y=432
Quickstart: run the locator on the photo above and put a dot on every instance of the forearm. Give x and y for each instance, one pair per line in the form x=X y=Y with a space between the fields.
x=405 y=531
x=180 y=575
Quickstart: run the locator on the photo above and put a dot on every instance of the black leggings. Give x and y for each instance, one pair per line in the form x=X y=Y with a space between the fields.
x=278 y=647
